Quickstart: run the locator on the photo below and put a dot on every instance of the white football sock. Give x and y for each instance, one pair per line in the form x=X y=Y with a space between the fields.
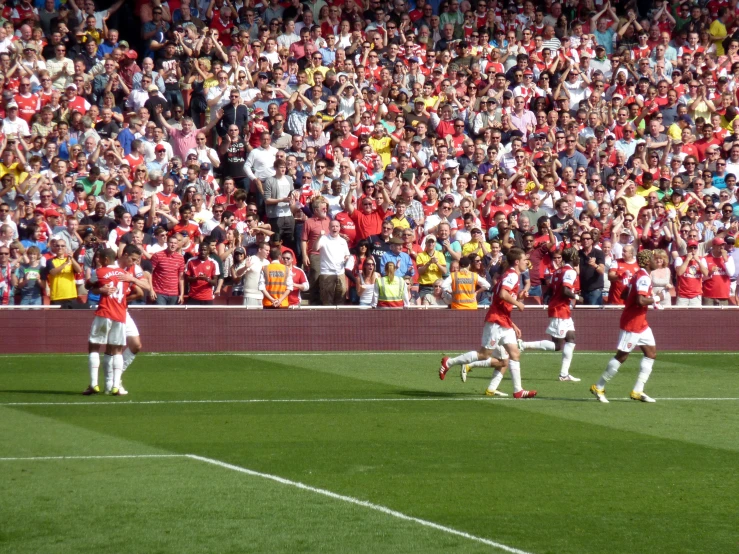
x=108 y=371
x=515 y=368
x=481 y=363
x=609 y=373
x=466 y=358
x=645 y=370
x=128 y=358
x=93 y=363
x=539 y=345
x=567 y=349
x=497 y=378
x=117 y=370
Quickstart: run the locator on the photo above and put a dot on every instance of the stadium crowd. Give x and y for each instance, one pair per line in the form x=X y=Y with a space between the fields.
x=381 y=153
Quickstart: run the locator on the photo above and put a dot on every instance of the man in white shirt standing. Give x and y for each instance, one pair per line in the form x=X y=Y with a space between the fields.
x=277 y=192
x=260 y=165
x=334 y=252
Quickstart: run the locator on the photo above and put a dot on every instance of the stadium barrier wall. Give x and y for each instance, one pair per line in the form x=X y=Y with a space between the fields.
x=220 y=329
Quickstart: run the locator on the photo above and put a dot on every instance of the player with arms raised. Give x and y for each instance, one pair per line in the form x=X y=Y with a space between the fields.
x=565 y=282
x=109 y=325
x=635 y=331
x=499 y=330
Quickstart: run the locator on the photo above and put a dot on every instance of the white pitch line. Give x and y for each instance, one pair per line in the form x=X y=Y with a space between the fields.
x=345 y=354
x=340 y=400
x=358 y=502
x=123 y=456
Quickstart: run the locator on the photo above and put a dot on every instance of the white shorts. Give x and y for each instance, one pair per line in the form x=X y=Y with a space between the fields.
x=627 y=341
x=558 y=328
x=493 y=335
x=107 y=331
x=131 y=329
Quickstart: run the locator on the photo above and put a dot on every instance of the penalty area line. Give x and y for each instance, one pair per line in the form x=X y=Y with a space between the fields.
x=358 y=502
x=112 y=457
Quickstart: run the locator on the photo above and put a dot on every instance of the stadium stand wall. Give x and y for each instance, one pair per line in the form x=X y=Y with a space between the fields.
x=239 y=330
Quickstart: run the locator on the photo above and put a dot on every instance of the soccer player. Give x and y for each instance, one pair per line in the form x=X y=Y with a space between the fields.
x=561 y=328
x=634 y=332
x=129 y=262
x=109 y=325
x=499 y=329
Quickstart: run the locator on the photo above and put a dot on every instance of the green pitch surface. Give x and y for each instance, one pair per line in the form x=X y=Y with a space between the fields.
x=366 y=453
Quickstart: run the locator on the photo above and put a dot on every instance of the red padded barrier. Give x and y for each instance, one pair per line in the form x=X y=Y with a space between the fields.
x=229 y=329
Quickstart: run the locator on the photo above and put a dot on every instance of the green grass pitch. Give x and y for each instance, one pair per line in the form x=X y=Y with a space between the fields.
x=557 y=474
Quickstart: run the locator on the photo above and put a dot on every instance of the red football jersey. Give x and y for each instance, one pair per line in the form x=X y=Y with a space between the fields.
x=634 y=317
x=201 y=290
x=112 y=306
x=625 y=271
x=500 y=310
x=560 y=306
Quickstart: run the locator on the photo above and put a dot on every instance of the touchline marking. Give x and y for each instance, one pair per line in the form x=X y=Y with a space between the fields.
x=344 y=354
x=123 y=456
x=358 y=502
x=337 y=400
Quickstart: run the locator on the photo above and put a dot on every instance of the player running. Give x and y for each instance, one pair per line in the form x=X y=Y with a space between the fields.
x=109 y=325
x=634 y=332
x=499 y=330
x=561 y=327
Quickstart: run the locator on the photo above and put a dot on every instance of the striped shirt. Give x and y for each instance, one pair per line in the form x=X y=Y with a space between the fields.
x=166 y=271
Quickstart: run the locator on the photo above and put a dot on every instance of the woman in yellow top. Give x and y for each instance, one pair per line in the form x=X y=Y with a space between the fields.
x=60 y=273
x=431 y=266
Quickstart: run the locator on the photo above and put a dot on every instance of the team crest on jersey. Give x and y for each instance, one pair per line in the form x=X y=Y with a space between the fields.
x=629 y=345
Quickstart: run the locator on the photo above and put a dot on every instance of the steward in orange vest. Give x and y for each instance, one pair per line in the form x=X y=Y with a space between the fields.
x=275 y=282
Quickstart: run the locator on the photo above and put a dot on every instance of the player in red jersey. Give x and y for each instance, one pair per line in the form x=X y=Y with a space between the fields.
x=499 y=330
x=635 y=331
x=129 y=261
x=109 y=325
x=561 y=327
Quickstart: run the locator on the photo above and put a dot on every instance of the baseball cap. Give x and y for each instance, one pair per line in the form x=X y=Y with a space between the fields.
x=132 y=55
x=625 y=231
x=205 y=166
x=123 y=43
x=71 y=85
x=54 y=213
x=396 y=240
x=692 y=243
x=430 y=238
x=153 y=88
x=414 y=59
x=508 y=94
x=160 y=148
x=718 y=241
x=239 y=250
x=11 y=105
x=259 y=111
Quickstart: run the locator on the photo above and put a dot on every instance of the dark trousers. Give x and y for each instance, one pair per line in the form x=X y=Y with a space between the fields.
x=194 y=302
x=286 y=227
x=315 y=270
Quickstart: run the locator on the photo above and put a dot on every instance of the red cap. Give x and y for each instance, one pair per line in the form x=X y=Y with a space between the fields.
x=692 y=243
x=52 y=213
x=393 y=108
x=718 y=241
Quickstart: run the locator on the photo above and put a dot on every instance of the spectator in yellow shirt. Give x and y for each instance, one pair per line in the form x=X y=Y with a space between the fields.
x=431 y=266
x=382 y=143
x=477 y=244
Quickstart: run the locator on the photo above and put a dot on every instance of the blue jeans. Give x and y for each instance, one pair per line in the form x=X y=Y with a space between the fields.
x=164 y=300
x=593 y=297
x=535 y=291
x=31 y=301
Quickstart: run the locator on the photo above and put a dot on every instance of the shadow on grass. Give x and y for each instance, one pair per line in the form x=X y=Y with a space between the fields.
x=43 y=392
x=432 y=394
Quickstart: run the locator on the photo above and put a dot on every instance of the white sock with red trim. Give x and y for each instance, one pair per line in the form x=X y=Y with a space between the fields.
x=567 y=349
x=93 y=363
x=609 y=373
x=645 y=370
x=539 y=345
x=515 y=368
x=466 y=358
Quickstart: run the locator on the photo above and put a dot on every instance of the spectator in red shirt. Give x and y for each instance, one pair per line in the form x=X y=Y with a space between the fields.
x=167 y=274
x=368 y=221
x=201 y=274
x=315 y=227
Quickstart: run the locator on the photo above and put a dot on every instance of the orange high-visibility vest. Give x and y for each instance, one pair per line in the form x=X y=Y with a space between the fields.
x=464 y=287
x=276 y=283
